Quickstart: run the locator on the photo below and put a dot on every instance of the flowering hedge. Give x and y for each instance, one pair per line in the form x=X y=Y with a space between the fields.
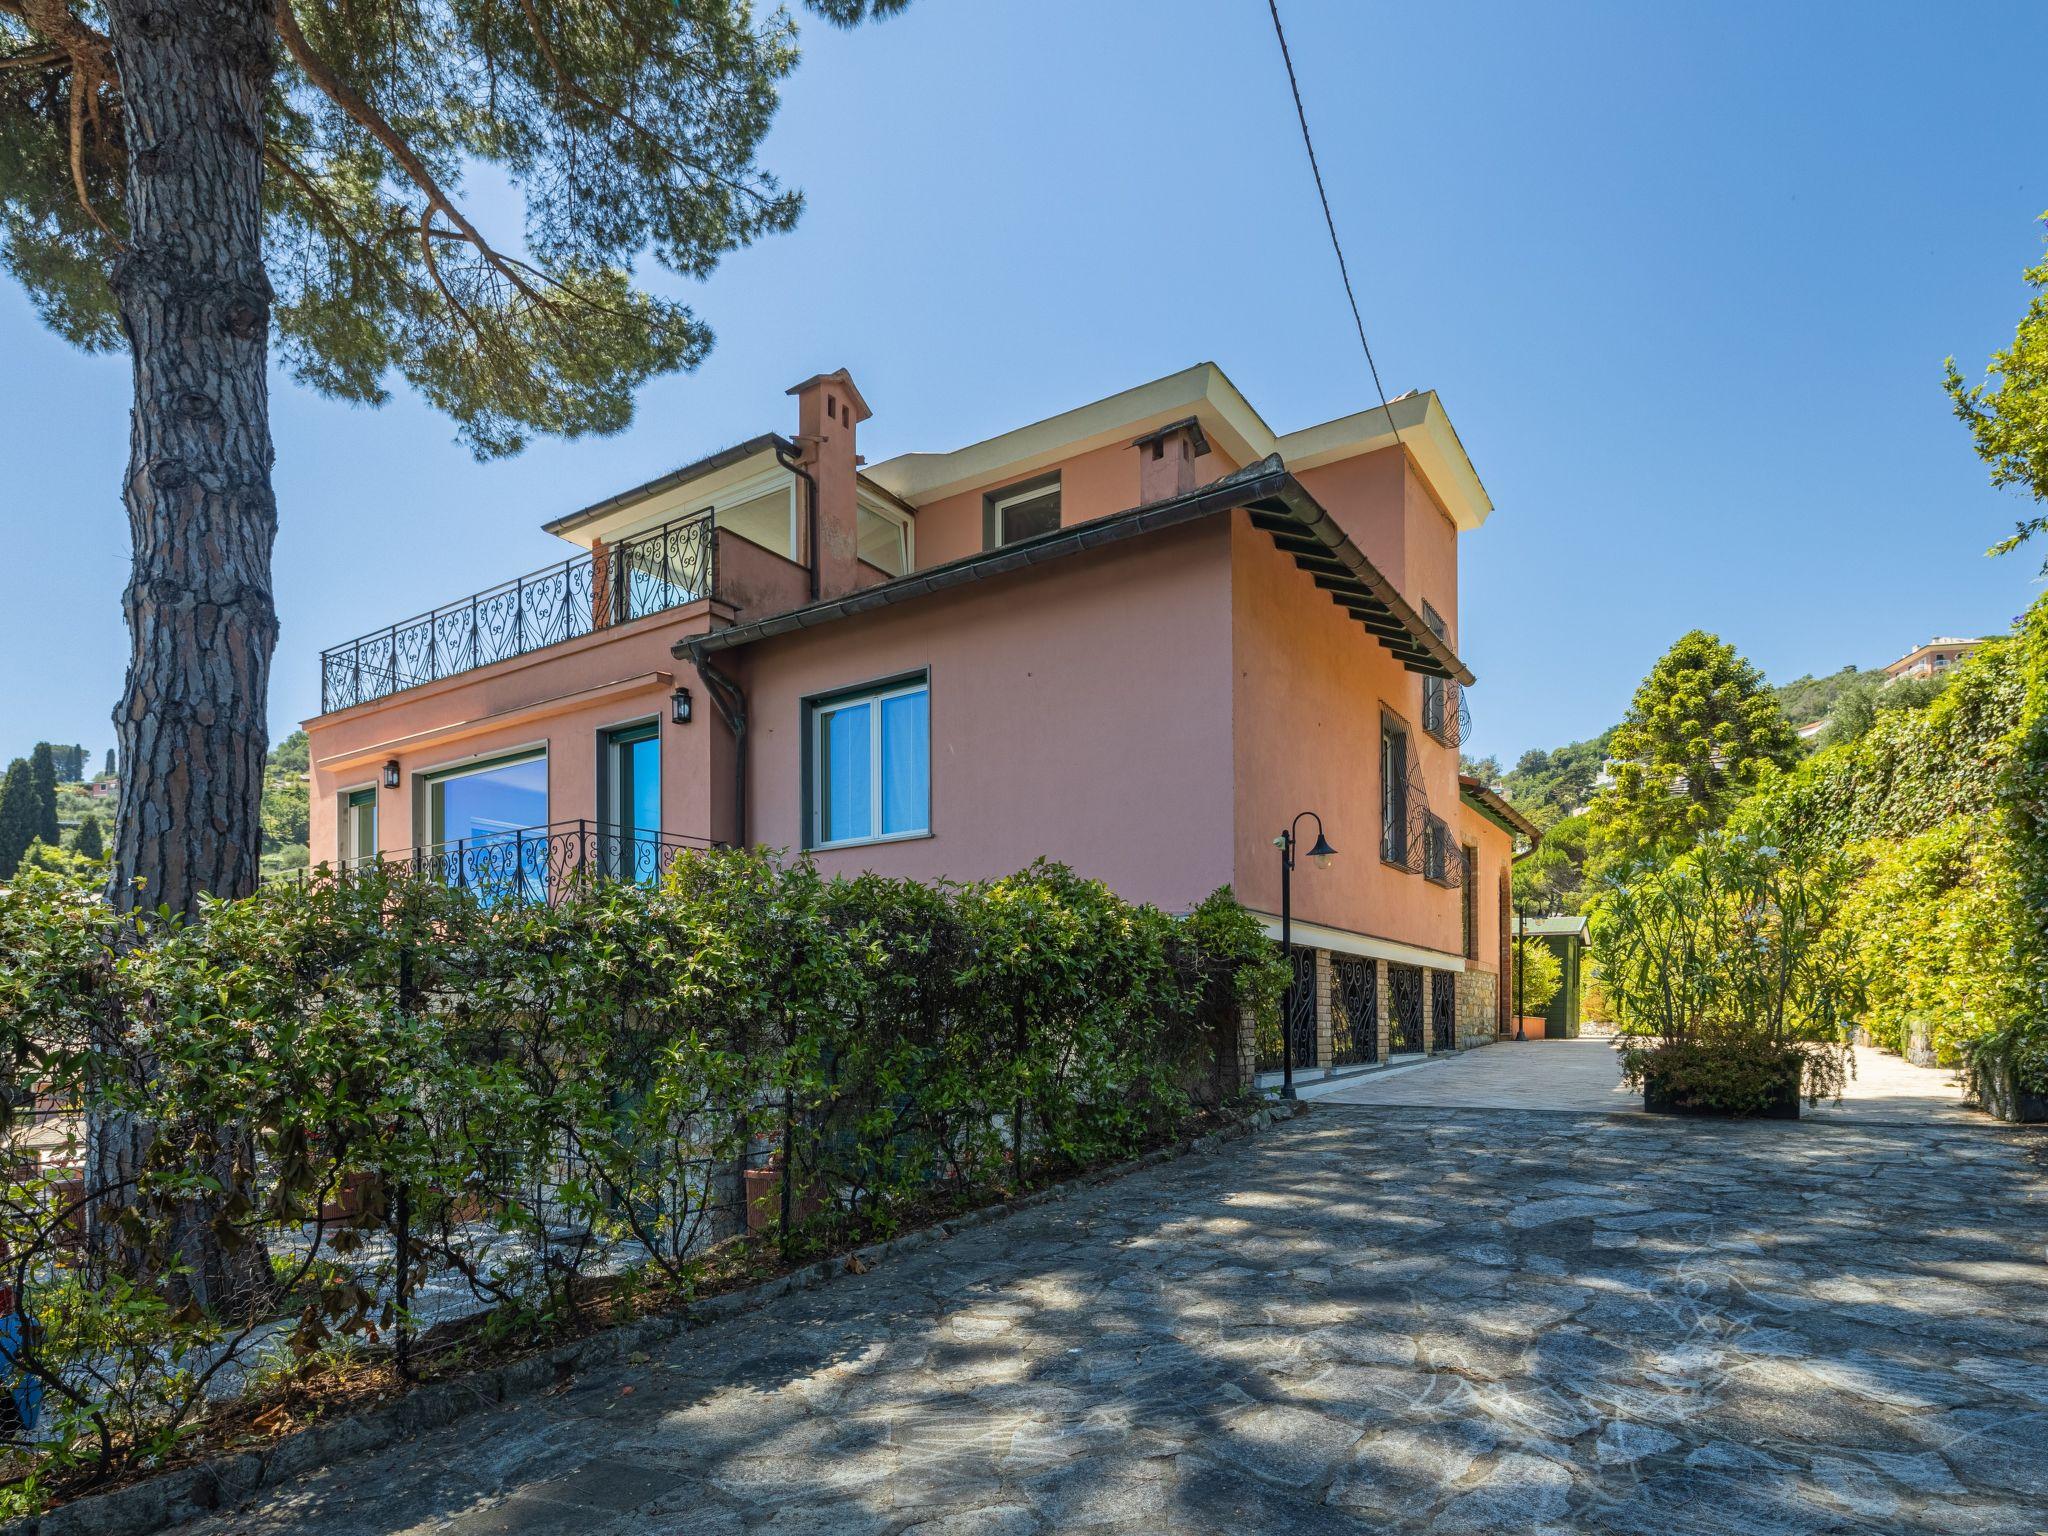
x=372 y=1111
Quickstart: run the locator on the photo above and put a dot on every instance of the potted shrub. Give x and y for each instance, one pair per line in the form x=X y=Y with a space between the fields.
x=1731 y=977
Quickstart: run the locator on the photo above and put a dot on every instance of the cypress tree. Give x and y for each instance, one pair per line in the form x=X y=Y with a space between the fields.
x=87 y=841
x=109 y=769
x=42 y=777
x=17 y=817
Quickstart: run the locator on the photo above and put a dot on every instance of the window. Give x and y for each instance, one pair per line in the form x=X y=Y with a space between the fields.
x=1436 y=851
x=884 y=540
x=1393 y=793
x=870 y=767
x=767 y=519
x=359 y=827
x=488 y=800
x=631 y=812
x=1435 y=695
x=1021 y=512
x=488 y=824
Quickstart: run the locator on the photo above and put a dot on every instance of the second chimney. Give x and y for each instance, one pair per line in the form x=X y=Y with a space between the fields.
x=1166 y=459
x=828 y=408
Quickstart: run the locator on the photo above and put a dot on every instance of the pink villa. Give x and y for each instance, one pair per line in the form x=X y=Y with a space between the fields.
x=1138 y=637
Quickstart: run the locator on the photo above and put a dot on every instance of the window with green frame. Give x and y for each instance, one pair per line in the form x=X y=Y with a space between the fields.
x=359 y=826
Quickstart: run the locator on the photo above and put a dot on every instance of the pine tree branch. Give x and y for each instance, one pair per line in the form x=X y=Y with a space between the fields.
x=372 y=122
x=570 y=89
x=90 y=55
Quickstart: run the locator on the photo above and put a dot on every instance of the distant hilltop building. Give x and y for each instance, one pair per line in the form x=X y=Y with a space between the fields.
x=1932 y=659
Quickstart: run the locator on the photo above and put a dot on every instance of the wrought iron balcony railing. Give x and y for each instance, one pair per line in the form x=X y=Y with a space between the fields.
x=542 y=863
x=665 y=567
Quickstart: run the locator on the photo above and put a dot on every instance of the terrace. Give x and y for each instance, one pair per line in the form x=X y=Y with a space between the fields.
x=662 y=568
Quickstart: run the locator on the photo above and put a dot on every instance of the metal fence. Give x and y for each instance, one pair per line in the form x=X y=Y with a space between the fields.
x=663 y=568
x=542 y=863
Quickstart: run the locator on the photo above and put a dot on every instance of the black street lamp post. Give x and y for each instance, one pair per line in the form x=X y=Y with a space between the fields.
x=1321 y=853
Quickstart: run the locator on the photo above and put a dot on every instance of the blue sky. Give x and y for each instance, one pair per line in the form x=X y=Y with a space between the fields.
x=1684 y=276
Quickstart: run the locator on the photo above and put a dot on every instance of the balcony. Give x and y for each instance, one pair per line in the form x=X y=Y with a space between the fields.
x=536 y=864
x=666 y=567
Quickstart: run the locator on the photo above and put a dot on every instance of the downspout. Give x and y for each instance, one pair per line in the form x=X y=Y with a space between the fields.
x=795 y=467
x=730 y=701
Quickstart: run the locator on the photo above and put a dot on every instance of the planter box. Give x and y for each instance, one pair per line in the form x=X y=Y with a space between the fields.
x=1532 y=1028
x=1784 y=1104
x=764 y=1200
x=2000 y=1096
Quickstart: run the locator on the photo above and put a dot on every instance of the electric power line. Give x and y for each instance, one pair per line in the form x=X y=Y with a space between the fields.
x=1342 y=270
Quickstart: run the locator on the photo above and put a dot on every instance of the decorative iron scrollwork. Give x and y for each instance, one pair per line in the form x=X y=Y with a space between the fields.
x=1354 y=1011
x=663 y=568
x=1404 y=1008
x=1443 y=1011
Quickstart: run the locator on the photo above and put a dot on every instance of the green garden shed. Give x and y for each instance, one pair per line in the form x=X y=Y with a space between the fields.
x=1566 y=937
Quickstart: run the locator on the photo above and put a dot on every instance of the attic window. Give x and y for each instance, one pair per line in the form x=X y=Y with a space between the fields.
x=1020 y=512
x=832 y=406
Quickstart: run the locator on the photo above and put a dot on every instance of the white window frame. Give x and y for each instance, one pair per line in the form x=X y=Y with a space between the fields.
x=906 y=526
x=1000 y=505
x=872 y=699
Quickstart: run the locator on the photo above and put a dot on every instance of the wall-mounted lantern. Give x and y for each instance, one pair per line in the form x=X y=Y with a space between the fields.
x=391 y=774
x=679 y=703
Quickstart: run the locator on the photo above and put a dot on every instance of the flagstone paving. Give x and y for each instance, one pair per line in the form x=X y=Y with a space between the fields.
x=1385 y=1319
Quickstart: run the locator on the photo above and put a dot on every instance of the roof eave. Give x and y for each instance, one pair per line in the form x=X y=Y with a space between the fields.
x=710 y=464
x=1278 y=505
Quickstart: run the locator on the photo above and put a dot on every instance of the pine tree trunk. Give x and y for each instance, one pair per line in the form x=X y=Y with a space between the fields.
x=196 y=307
x=195 y=304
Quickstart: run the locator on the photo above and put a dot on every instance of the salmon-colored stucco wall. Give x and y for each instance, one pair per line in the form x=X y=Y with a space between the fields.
x=1309 y=685
x=1094 y=484
x=560 y=697
x=1079 y=712
x=1495 y=852
x=1383 y=503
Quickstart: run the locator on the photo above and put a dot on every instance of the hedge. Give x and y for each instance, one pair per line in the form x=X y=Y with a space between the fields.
x=358 y=1085
x=1945 y=810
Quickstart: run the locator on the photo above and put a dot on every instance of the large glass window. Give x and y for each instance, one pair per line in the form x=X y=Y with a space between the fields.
x=489 y=822
x=359 y=826
x=632 y=811
x=871 y=766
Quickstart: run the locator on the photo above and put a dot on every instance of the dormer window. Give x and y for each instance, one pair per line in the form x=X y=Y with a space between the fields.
x=1020 y=512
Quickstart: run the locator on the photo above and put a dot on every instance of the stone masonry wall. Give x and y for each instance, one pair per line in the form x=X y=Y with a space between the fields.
x=1478 y=1008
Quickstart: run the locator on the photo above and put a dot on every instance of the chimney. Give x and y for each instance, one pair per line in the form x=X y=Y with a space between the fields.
x=828 y=408
x=1166 y=460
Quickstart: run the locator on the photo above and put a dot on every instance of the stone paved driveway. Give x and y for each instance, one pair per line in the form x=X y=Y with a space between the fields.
x=1366 y=1320
x=1586 y=1075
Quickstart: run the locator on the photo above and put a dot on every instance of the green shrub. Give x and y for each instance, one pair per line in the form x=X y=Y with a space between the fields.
x=373 y=1079
x=1536 y=976
x=1727 y=963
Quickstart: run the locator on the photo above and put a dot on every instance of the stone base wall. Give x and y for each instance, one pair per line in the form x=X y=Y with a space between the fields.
x=1478 y=1008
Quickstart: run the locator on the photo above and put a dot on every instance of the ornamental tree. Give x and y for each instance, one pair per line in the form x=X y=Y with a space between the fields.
x=1702 y=728
x=2009 y=416
x=202 y=182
